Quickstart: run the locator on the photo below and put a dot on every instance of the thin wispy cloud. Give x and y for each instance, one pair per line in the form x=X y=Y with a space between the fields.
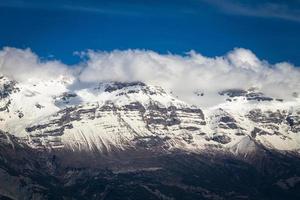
x=99 y=10
x=287 y=10
x=266 y=9
x=65 y=6
x=113 y=8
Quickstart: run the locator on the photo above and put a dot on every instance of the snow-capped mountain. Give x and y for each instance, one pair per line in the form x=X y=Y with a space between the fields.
x=62 y=139
x=115 y=116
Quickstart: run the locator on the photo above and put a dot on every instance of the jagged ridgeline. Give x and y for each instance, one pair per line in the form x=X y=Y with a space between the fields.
x=115 y=139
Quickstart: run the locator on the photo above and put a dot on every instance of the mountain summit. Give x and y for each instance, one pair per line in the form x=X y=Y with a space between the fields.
x=114 y=116
x=131 y=127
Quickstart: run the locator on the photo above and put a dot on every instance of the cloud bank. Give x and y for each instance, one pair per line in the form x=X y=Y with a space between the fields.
x=184 y=75
x=23 y=65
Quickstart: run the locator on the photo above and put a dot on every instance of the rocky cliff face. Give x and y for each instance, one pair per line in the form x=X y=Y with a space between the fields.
x=116 y=115
x=56 y=135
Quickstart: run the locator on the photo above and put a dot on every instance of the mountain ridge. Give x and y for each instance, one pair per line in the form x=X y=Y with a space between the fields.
x=50 y=115
x=64 y=140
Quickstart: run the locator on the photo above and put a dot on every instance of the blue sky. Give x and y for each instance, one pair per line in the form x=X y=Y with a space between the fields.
x=57 y=28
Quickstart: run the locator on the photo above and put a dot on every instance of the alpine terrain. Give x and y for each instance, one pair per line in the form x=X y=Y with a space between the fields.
x=63 y=139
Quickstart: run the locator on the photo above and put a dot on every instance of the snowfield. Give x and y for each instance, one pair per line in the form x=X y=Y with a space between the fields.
x=63 y=113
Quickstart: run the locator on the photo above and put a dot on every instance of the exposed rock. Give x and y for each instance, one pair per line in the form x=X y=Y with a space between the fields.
x=258 y=116
x=119 y=85
x=233 y=92
x=257 y=131
x=250 y=95
x=223 y=139
x=7 y=88
x=39 y=106
x=6 y=106
x=294 y=122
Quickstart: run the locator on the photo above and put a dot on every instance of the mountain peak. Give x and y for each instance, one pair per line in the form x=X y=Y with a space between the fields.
x=120 y=115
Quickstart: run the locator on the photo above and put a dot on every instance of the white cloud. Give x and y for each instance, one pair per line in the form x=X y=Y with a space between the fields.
x=23 y=65
x=244 y=58
x=183 y=75
x=240 y=68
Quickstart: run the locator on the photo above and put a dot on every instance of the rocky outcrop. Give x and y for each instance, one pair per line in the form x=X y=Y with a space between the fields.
x=154 y=119
x=134 y=140
x=117 y=116
x=250 y=95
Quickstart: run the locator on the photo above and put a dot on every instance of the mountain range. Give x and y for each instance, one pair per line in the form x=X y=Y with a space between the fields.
x=64 y=139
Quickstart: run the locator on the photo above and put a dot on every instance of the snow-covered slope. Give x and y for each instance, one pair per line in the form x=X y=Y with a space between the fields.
x=110 y=116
